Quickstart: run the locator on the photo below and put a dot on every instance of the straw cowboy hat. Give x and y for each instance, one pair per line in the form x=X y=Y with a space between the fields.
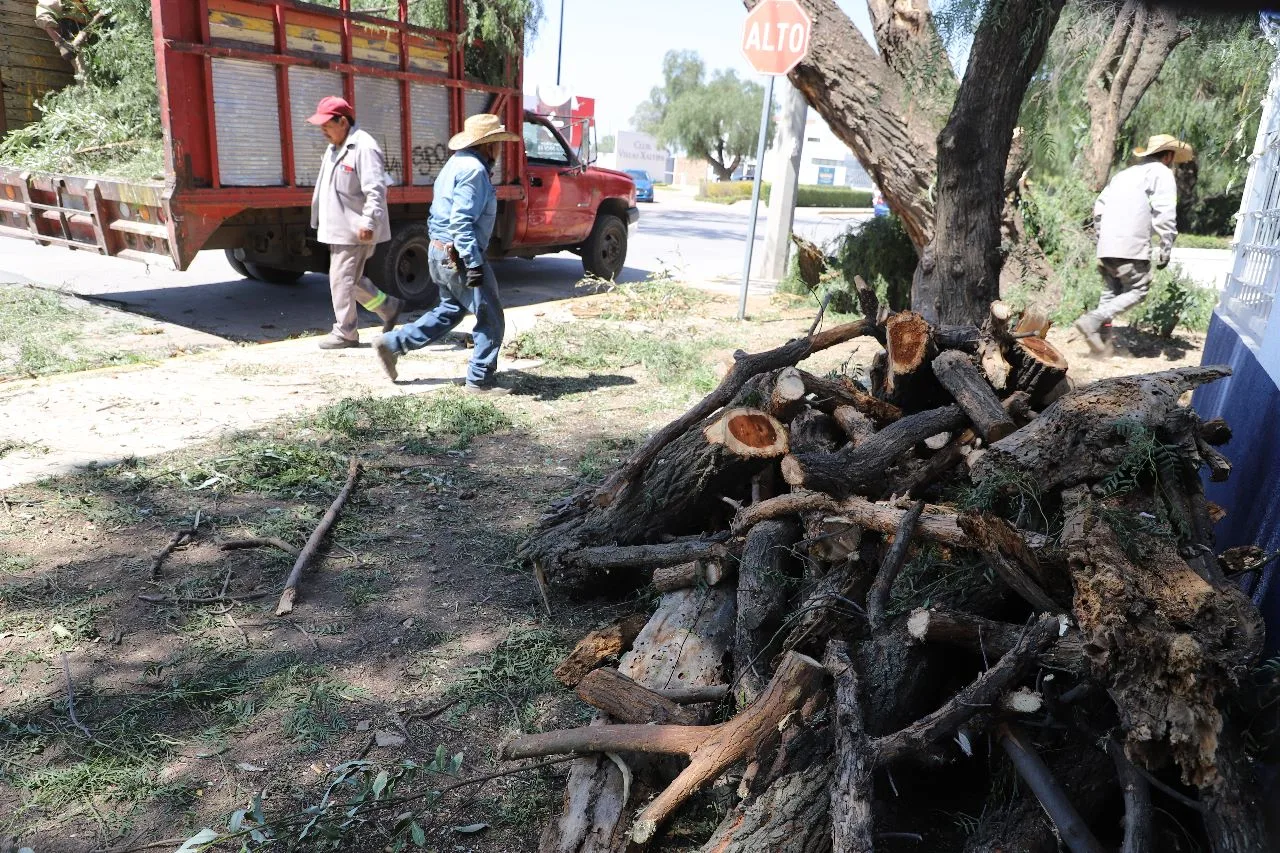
x=481 y=129
x=1162 y=142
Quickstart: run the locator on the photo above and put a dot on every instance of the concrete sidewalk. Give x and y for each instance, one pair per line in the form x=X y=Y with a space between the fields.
x=55 y=424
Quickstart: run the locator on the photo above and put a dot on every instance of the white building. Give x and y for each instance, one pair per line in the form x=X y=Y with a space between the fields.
x=824 y=159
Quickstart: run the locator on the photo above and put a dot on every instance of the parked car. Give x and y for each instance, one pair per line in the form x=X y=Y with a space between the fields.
x=644 y=184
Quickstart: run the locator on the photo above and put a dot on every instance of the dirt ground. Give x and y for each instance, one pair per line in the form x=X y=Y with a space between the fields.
x=418 y=635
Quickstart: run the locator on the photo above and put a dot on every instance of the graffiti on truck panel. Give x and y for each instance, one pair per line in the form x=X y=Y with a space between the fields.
x=428 y=159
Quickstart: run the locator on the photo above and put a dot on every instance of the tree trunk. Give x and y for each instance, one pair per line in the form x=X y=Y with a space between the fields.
x=870 y=108
x=959 y=272
x=1130 y=60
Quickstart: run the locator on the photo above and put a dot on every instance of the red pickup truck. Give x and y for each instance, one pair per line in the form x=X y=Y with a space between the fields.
x=236 y=80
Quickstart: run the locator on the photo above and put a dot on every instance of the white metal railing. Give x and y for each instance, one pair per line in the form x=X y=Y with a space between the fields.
x=1255 y=274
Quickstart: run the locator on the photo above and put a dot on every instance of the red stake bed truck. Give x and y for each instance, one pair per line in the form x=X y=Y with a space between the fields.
x=237 y=79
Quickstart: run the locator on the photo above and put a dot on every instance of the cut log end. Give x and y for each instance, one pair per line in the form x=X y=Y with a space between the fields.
x=749 y=433
x=918 y=625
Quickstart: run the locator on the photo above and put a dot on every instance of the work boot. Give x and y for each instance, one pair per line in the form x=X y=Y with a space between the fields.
x=387 y=356
x=489 y=388
x=391 y=313
x=1088 y=327
x=332 y=341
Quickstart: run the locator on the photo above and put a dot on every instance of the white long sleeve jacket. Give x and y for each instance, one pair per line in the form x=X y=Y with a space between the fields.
x=1140 y=201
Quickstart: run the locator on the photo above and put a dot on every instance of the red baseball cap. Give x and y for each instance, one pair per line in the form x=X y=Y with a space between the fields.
x=331 y=107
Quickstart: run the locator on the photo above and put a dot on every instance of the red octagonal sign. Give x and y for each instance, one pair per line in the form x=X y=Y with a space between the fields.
x=776 y=36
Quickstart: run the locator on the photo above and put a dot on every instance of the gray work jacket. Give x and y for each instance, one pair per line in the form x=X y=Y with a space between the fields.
x=351 y=192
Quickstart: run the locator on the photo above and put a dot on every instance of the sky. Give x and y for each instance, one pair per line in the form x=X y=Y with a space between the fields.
x=613 y=49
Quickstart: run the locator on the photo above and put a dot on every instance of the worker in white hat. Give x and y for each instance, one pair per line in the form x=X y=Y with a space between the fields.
x=463 y=212
x=1139 y=202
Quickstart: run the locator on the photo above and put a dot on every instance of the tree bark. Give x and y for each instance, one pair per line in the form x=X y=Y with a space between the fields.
x=851 y=786
x=991 y=639
x=599 y=646
x=1130 y=60
x=629 y=701
x=762 y=598
x=854 y=469
x=969 y=387
x=959 y=272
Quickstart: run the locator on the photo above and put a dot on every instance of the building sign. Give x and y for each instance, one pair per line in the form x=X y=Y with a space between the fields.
x=641 y=151
x=826 y=176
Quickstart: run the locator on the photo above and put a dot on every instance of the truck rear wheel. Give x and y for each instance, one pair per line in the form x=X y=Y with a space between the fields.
x=399 y=266
x=262 y=272
x=605 y=251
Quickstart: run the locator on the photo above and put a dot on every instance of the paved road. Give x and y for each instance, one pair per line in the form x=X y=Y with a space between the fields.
x=695 y=240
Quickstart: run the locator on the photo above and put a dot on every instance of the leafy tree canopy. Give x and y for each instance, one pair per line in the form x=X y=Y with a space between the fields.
x=716 y=118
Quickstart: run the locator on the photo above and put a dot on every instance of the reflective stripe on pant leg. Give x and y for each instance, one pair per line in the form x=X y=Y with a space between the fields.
x=376 y=302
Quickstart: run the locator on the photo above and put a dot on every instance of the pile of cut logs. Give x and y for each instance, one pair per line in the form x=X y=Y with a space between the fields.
x=962 y=606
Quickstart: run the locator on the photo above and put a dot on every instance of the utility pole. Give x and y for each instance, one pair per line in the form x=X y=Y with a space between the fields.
x=560 y=44
x=787 y=147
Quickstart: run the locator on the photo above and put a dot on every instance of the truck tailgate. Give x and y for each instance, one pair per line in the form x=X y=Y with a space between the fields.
x=106 y=216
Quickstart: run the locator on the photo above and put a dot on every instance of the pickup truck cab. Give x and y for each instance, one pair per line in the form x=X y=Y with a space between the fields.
x=235 y=82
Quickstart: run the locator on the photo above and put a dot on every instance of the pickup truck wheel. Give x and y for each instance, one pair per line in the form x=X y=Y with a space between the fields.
x=399 y=266
x=605 y=251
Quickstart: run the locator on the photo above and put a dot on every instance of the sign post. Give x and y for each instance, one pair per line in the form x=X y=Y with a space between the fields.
x=775 y=38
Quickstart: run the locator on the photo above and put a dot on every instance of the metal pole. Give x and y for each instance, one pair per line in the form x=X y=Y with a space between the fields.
x=755 y=197
x=560 y=44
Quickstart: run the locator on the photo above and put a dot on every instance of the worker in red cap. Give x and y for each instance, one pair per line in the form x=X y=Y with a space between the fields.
x=349 y=213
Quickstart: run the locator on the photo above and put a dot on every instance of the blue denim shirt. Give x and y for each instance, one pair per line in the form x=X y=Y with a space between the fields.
x=465 y=206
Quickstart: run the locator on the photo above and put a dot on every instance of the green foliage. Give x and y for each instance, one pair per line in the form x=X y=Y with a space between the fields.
x=42 y=333
x=716 y=119
x=1208 y=93
x=362 y=797
x=728 y=192
x=1203 y=241
x=881 y=252
x=673 y=358
x=1174 y=300
x=275 y=468
x=449 y=413
x=109 y=121
x=520 y=668
x=934 y=577
x=659 y=296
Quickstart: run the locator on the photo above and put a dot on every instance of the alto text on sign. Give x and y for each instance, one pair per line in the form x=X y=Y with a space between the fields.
x=775 y=36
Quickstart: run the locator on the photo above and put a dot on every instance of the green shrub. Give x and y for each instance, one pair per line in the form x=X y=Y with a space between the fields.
x=728 y=192
x=1175 y=300
x=1202 y=241
x=881 y=252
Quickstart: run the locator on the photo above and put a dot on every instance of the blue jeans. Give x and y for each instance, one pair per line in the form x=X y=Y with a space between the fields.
x=456 y=301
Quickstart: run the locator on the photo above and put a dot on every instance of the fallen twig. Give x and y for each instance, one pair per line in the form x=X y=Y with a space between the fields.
x=236 y=544
x=1071 y=827
x=215 y=599
x=178 y=539
x=878 y=597
x=313 y=543
x=822 y=309
x=71 y=698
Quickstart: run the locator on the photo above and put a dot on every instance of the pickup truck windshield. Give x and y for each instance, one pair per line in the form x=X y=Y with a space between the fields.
x=541 y=145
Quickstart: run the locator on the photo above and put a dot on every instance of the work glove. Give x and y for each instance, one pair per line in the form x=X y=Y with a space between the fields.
x=1160 y=256
x=475 y=276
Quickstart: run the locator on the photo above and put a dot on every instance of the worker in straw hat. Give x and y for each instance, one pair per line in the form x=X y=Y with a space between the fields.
x=461 y=222
x=1139 y=202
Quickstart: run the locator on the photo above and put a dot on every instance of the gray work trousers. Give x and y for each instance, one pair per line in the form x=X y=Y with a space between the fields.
x=1125 y=283
x=349 y=286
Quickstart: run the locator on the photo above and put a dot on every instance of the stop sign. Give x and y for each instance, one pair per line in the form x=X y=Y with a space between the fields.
x=776 y=36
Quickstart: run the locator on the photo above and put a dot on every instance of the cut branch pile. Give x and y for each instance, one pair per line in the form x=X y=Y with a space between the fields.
x=964 y=606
